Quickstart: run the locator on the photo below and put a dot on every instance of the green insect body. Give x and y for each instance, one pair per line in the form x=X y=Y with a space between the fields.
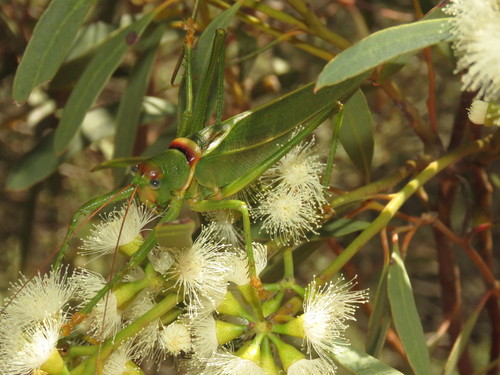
x=206 y=166
x=160 y=177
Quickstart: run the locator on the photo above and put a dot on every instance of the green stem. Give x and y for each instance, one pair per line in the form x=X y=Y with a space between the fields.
x=81 y=351
x=288 y=263
x=258 y=24
x=395 y=204
x=367 y=190
x=316 y=27
x=276 y=14
x=298 y=289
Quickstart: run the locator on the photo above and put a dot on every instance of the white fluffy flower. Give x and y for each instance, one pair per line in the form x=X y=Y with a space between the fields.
x=481 y=112
x=175 y=338
x=42 y=296
x=120 y=362
x=226 y=363
x=311 y=367
x=478 y=111
x=287 y=216
x=325 y=311
x=23 y=351
x=224 y=226
x=291 y=196
x=205 y=342
x=105 y=318
x=200 y=270
x=298 y=171
x=145 y=344
x=477 y=30
x=238 y=265
x=105 y=236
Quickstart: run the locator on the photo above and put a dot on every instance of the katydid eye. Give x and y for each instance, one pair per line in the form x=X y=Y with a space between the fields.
x=155 y=184
x=134 y=169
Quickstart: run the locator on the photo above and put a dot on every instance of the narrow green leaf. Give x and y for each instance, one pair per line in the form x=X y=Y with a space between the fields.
x=336 y=126
x=52 y=38
x=405 y=317
x=88 y=37
x=383 y=46
x=356 y=134
x=129 y=111
x=94 y=78
x=342 y=227
x=462 y=340
x=392 y=67
x=39 y=163
x=396 y=64
x=380 y=317
x=84 y=48
x=359 y=363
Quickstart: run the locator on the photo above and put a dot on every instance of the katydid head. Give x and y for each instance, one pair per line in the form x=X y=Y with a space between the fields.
x=160 y=177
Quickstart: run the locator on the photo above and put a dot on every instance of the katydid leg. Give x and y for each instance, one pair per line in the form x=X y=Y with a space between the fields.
x=241 y=207
x=95 y=206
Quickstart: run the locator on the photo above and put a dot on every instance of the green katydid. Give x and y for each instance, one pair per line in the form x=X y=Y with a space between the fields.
x=210 y=165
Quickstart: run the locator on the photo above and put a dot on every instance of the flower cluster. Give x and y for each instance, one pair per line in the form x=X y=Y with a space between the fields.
x=32 y=319
x=199 y=300
x=477 y=31
x=321 y=326
x=291 y=196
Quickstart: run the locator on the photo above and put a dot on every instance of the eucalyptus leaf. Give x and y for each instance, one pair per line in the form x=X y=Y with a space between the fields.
x=382 y=47
x=462 y=340
x=129 y=111
x=380 y=319
x=94 y=78
x=342 y=227
x=396 y=64
x=51 y=40
x=359 y=363
x=88 y=37
x=356 y=133
x=39 y=163
x=406 y=318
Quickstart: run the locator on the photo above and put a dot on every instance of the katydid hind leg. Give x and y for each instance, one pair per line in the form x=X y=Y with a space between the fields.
x=242 y=208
